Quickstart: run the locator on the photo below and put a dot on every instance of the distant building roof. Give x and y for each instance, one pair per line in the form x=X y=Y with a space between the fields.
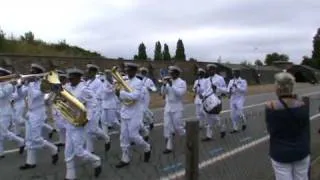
x=269 y=68
x=234 y=66
x=281 y=62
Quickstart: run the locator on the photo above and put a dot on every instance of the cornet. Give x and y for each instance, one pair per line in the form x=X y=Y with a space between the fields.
x=164 y=80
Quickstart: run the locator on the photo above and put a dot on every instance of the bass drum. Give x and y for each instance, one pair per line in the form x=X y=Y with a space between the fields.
x=212 y=104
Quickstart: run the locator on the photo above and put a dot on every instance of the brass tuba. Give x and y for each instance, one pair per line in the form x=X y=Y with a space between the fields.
x=121 y=84
x=69 y=106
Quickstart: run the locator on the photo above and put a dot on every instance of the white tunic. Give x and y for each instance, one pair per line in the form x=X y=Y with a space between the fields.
x=174 y=95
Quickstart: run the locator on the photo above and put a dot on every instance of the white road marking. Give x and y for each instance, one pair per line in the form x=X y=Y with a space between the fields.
x=226 y=155
x=184 y=119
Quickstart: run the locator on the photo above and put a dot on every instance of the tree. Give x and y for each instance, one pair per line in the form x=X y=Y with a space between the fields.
x=28 y=37
x=316 y=48
x=245 y=63
x=166 y=53
x=157 y=52
x=308 y=61
x=180 y=54
x=2 y=40
x=142 y=54
x=258 y=62
x=270 y=58
x=192 y=60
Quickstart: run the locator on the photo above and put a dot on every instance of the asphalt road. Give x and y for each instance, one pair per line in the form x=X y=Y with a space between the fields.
x=252 y=163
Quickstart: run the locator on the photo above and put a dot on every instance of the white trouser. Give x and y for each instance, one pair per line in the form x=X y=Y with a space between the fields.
x=292 y=171
x=18 y=118
x=34 y=140
x=93 y=130
x=6 y=134
x=237 y=115
x=214 y=119
x=109 y=117
x=129 y=132
x=148 y=117
x=172 y=123
x=60 y=124
x=200 y=114
x=75 y=140
x=48 y=127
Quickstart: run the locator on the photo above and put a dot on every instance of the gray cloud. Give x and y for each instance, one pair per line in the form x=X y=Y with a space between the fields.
x=233 y=29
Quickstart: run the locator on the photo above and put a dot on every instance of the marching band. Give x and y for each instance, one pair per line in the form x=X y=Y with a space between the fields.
x=110 y=100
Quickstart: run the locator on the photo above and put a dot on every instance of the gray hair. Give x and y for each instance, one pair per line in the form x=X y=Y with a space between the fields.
x=285 y=83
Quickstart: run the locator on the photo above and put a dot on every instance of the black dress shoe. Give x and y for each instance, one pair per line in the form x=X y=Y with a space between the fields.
x=60 y=144
x=27 y=166
x=167 y=151
x=122 y=164
x=132 y=143
x=21 y=149
x=97 y=171
x=206 y=139
x=151 y=126
x=107 y=147
x=55 y=159
x=147 y=156
x=234 y=131
x=222 y=134
x=51 y=134
x=146 y=138
x=244 y=127
x=1 y=157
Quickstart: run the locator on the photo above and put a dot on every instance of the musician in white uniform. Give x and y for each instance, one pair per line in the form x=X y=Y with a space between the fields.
x=174 y=91
x=237 y=88
x=131 y=117
x=75 y=135
x=6 y=90
x=149 y=87
x=93 y=129
x=59 y=120
x=19 y=105
x=198 y=88
x=109 y=103
x=36 y=117
x=215 y=85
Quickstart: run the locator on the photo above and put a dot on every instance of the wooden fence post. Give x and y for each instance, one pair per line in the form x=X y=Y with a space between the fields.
x=192 y=150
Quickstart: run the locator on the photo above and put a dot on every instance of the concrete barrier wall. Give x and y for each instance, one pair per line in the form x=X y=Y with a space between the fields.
x=21 y=64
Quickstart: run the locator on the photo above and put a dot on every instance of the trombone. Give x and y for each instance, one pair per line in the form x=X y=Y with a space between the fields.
x=20 y=77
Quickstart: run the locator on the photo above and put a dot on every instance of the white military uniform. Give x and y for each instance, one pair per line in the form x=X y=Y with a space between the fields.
x=198 y=88
x=36 y=117
x=6 y=111
x=76 y=136
x=148 y=86
x=238 y=89
x=109 y=106
x=221 y=88
x=94 y=109
x=19 y=111
x=173 y=110
x=131 y=118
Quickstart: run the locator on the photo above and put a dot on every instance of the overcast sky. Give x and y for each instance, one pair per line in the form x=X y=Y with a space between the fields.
x=236 y=30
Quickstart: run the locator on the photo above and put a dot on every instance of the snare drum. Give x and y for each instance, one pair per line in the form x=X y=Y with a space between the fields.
x=212 y=104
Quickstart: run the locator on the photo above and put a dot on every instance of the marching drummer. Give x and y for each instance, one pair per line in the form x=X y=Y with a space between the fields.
x=215 y=86
x=198 y=89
